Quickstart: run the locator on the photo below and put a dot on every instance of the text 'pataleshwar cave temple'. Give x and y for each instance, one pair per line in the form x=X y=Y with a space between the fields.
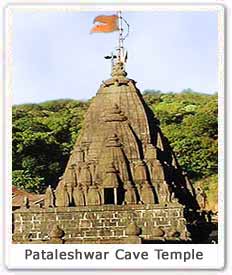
x=122 y=182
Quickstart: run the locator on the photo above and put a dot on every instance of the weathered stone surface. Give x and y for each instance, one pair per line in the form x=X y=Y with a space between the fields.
x=61 y=194
x=49 y=197
x=113 y=224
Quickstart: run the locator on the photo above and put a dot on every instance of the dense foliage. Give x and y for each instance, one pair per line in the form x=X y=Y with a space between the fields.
x=43 y=135
x=190 y=122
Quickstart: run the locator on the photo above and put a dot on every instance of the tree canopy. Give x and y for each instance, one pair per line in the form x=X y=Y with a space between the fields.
x=44 y=134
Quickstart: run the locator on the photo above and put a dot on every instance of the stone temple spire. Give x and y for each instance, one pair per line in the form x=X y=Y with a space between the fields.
x=120 y=131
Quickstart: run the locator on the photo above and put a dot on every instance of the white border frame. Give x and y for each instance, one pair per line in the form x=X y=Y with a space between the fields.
x=12 y=249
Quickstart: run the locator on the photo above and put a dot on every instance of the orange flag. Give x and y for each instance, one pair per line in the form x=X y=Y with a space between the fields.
x=108 y=23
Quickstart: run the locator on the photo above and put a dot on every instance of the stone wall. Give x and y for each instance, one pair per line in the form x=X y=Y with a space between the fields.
x=99 y=224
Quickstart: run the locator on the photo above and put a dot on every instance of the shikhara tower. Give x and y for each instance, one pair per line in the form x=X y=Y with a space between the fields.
x=122 y=182
x=121 y=156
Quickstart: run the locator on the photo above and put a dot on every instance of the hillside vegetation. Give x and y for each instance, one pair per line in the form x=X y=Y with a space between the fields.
x=43 y=135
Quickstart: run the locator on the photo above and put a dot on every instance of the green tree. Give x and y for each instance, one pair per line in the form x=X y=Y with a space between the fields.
x=189 y=121
x=44 y=134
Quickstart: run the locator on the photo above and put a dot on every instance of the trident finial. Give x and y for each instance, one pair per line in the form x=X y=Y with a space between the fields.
x=122 y=54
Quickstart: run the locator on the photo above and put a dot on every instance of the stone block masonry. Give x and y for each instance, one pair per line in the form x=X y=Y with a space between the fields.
x=99 y=224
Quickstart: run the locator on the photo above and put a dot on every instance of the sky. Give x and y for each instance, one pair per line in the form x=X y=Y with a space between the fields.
x=55 y=56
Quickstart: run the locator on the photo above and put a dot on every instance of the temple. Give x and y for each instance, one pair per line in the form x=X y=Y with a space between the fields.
x=122 y=182
x=121 y=156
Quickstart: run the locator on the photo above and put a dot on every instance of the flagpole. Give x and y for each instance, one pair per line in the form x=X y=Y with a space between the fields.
x=120 y=39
